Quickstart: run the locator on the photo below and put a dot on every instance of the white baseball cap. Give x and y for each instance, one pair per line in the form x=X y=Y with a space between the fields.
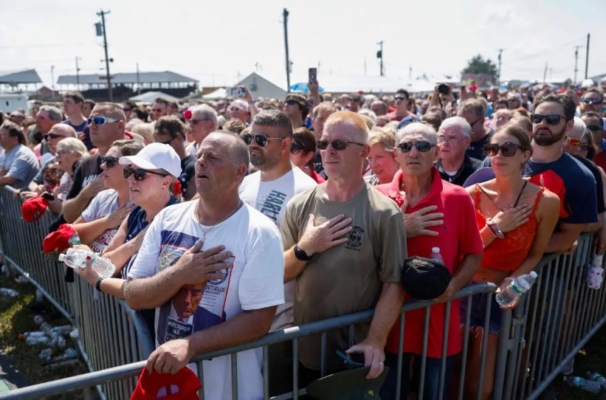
x=156 y=156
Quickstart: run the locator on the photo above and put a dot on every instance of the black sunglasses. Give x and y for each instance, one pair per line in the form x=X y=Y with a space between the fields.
x=551 y=119
x=422 y=146
x=109 y=161
x=295 y=148
x=592 y=101
x=399 y=98
x=291 y=102
x=139 y=173
x=337 y=144
x=259 y=139
x=594 y=128
x=51 y=136
x=508 y=149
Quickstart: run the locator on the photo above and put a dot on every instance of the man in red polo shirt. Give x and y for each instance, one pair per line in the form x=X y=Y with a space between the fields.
x=416 y=186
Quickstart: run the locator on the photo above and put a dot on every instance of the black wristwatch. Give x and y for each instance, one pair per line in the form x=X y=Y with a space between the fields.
x=98 y=284
x=300 y=254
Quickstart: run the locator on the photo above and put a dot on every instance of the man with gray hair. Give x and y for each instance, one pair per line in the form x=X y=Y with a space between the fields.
x=46 y=118
x=454 y=164
x=202 y=122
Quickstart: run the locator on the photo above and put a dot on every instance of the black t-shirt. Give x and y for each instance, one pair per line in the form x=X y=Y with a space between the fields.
x=88 y=170
x=476 y=149
x=469 y=166
x=598 y=181
x=188 y=171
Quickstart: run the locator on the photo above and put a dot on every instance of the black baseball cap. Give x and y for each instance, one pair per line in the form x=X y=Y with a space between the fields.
x=425 y=279
x=348 y=385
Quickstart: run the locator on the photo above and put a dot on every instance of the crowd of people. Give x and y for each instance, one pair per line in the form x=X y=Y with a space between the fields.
x=235 y=218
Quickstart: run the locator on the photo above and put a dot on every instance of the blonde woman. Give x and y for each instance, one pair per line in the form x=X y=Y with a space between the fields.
x=382 y=158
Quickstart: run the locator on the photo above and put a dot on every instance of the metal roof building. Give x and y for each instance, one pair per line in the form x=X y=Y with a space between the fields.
x=126 y=78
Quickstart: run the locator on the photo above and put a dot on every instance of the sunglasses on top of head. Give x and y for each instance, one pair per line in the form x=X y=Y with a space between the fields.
x=259 y=138
x=507 y=149
x=109 y=161
x=336 y=144
x=550 y=119
x=101 y=120
x=422 y=146
x=140 y=173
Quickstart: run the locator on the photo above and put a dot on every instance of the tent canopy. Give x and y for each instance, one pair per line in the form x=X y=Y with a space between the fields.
x=220 y=93
x=149 y=97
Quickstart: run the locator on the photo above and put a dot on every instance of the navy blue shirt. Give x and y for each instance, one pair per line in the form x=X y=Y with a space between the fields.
x=579 y=187
x=83 y=127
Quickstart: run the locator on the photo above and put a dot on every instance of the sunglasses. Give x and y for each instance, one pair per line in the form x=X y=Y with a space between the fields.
x=592 y=101
x=422 y=146
x=398 y=98
x=259 y=139
x=551 y=119
x=109 y=161
x=578 y=143
x=594 y=128
x=139 y=173
x=52 y=136
x=476 y=121
x=127 y=109
x=101 y=120
x=507 y=149
x=295 y=148
x=337 y=144
x=291 y=102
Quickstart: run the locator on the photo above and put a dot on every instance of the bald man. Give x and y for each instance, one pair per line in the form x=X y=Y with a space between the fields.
x=344 y=249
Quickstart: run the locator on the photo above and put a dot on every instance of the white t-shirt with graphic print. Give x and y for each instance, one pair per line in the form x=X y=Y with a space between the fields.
x=254 y=282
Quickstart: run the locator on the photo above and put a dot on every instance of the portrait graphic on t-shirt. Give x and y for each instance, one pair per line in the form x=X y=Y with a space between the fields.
x=196 y=306
x=99 y=244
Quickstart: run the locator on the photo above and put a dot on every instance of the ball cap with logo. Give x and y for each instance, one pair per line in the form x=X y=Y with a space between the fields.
x=59 y=239
x=156 y=156
x=425 y=279
x=183 y=385
x=348 y=385
x=33 y=209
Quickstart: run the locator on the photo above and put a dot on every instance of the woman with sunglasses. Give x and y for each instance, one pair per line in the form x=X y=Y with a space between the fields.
x=99 y=222
x=302 y=152
x=516 y=218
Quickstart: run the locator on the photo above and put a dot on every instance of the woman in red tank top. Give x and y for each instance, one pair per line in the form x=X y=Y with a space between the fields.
x=516 y=220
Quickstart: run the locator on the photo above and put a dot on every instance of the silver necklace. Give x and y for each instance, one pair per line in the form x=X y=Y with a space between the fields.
x=204 y=233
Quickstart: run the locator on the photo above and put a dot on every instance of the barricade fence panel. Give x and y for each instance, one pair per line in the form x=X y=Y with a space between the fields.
x=535 y=342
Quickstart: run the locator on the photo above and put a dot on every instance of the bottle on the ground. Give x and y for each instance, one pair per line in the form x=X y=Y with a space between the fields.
x=46 y=354
x=583 y=384
x=58 y=341
x=34 y=340
x=61 y=330
x=512 y=289
x=435 y=255
x=68 y=354
x=38 y=319
x=595 y=274
x=76 y=258
x=597 y=378
x=8 y=292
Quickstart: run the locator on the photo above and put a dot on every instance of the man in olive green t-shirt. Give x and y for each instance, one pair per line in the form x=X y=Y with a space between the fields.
x=345 y=246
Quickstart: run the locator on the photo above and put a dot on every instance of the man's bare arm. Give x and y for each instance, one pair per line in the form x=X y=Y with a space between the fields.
x=563 y=239
x=152 y=292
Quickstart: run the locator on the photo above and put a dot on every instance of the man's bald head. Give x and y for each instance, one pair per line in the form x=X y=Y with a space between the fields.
x=238 y=150
x=63 y=130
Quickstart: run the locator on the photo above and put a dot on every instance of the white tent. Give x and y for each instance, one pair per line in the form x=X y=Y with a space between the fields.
x=149 y=97
x=220 y=93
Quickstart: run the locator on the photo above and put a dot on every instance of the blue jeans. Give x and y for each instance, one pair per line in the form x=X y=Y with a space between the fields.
x=431 y=389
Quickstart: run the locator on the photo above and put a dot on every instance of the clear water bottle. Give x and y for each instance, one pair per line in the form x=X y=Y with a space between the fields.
x=38 y=319
x=46 y=354
x=61 y=330
x=515 y=288
x=68 y=354
x=58 y=342
x=435 y=255
x=595 y=274
x=76 y=258
x=583 y=384
x=46 y=328
x=34 y=340
x=8 y=292
x=596 y=377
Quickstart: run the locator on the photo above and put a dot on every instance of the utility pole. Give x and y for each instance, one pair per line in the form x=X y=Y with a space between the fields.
x=138 y=81
x=499 y=71
x=545 y=74
x=53 y=81
x=102 y=31
x=576 y=60
x=410 y=72
x=285 y=14
x=587 y=57
x=380 y=57
x=77 y=74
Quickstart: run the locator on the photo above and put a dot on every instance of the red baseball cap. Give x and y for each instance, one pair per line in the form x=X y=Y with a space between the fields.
x=184 y=385
x=59 y=239
x=34 y=208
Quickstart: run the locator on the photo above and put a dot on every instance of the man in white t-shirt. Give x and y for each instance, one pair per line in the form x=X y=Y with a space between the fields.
x=233 y=250
x=203 y=121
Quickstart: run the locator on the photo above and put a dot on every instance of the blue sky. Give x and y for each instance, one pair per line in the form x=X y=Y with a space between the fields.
x=218 y=41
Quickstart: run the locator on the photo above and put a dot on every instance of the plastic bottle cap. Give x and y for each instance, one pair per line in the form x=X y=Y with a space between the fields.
x=533 y=274
x=61 y=257
x=435 y=249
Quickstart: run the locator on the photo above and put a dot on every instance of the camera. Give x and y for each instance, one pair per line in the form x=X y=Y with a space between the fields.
x=444 y=89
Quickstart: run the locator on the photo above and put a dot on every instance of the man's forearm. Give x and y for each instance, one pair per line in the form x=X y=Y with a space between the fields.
x=386 y=312
x=72 y=208
x=147 y=293
x=292 y=265
x=561 y=242
x=469 y=266
x=246 y=327
x=7 y=181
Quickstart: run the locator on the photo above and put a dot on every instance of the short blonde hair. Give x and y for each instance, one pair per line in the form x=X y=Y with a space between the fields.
x=385 y=137
x=356 y=121
x=144 y=129
x=73 y=145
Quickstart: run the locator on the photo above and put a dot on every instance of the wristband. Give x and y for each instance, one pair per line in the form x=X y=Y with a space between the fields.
x=98 y=284
x=300 y=254
x=494 y=228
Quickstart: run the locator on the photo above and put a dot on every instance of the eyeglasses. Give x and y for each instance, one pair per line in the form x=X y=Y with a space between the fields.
x=296 y=148
x=139 y=173
x=507 y=149
x=592 y=101
x=235 y=109
x=259 y=139
x=594 y=128
x=109 y=161
x=578 y=143
x=101 y=120
x=166 y=142
x=52 y=136
x=422 y=146
x=291 y=102
x=157 y=110
x=449 y=139
x=336 y=144
x=551 y=119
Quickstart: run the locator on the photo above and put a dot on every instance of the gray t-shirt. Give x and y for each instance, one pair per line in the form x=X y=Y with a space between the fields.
x=39 y=178
x=20 y=163
x=101 y=206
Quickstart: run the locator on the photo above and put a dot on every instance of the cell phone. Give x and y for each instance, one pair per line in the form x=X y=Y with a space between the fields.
x=47 y=196
x=354 y=360
x=237 y=91
x=312 y=74
x=444 y=89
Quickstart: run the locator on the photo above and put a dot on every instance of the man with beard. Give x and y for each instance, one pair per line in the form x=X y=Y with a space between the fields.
x=559 y=172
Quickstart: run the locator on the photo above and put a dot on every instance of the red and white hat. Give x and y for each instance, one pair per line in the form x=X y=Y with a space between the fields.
x=183 y=385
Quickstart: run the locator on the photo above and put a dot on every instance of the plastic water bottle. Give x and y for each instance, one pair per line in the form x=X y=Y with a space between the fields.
x=46 y=354
x=34 y=340
x=596 y=377
x=435 y=255
x=61 y=330
x=76 y=258
x=38 y=319
x=46 y=328
x=67 y=355
x=595 y=274
x=583 y=384
x=74 y=239
x=515 y=289
x=8 y=292
x=58 y=342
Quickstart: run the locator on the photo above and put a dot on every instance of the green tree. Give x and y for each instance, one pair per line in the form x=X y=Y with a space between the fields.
x=479 y=65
